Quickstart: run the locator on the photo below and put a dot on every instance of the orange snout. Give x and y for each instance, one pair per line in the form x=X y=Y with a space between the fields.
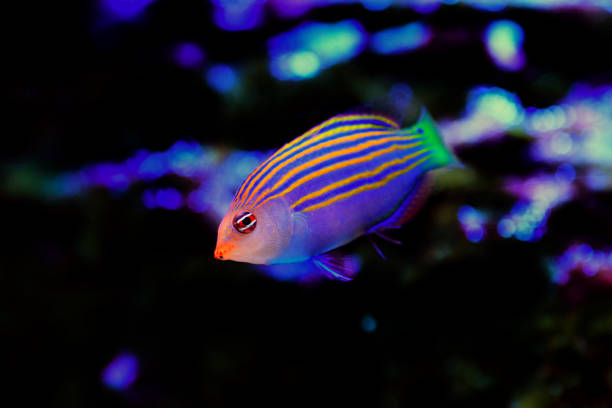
x=219 y=253
x=222 y=251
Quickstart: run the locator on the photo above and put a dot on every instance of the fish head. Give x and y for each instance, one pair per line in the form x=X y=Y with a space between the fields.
x=255 y=235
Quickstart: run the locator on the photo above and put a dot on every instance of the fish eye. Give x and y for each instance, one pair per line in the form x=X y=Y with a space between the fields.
x=245 y=222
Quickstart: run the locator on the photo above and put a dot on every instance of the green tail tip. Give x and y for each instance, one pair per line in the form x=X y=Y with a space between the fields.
x=441 y=155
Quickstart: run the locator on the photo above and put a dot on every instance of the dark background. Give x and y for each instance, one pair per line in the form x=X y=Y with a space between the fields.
x=83 y=279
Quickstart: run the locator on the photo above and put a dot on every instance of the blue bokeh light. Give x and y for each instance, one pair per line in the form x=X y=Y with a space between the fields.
x=121 y=372
x=472 y=222
x=368 y=323
x=109 y=175
x=166 y=198
x=498 y=104
x=492 y=5
x=222 y=78
x=186 y=159
x=489 y=113
x=376 y=5
x=506 y=228
x=304 y=64
x=581 y=257
x=538 y=194
x=598 y=180
x=504 y=43
x=302 y=52
x=238 y=15
x=401 y=39
x=565 y=173
x=153 y=166
x=575 y=131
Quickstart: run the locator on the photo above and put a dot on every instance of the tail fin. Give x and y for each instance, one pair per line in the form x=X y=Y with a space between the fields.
x=426 y=127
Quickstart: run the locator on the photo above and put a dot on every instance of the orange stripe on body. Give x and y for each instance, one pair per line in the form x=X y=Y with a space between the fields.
x=335 y=166
x=359 y=176
x=258 y=182
x=365 y=187
x=292 y=146
x=238 y=197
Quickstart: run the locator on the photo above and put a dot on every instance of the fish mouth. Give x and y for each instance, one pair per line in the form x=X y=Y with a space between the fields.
x=220 y=254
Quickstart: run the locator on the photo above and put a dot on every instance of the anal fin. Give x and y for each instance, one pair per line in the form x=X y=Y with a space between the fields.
x=409 y=207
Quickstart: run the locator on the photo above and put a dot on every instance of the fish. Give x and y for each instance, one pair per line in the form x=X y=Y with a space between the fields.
x=352 y=175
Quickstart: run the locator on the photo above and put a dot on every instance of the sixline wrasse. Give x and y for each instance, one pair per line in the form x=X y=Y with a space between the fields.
x=352 y=175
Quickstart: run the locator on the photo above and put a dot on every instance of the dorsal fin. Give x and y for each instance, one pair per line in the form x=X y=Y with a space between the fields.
x=409 y=207
x=358 y=117
x=392 y=119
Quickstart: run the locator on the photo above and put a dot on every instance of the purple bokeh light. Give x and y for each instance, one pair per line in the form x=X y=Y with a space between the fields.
x=188 y=55
x=125 y=9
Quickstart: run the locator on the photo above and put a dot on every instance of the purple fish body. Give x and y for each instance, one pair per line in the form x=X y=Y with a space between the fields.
x=351 y=175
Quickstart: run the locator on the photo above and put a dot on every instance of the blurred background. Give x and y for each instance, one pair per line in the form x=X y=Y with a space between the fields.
x=131 y=123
